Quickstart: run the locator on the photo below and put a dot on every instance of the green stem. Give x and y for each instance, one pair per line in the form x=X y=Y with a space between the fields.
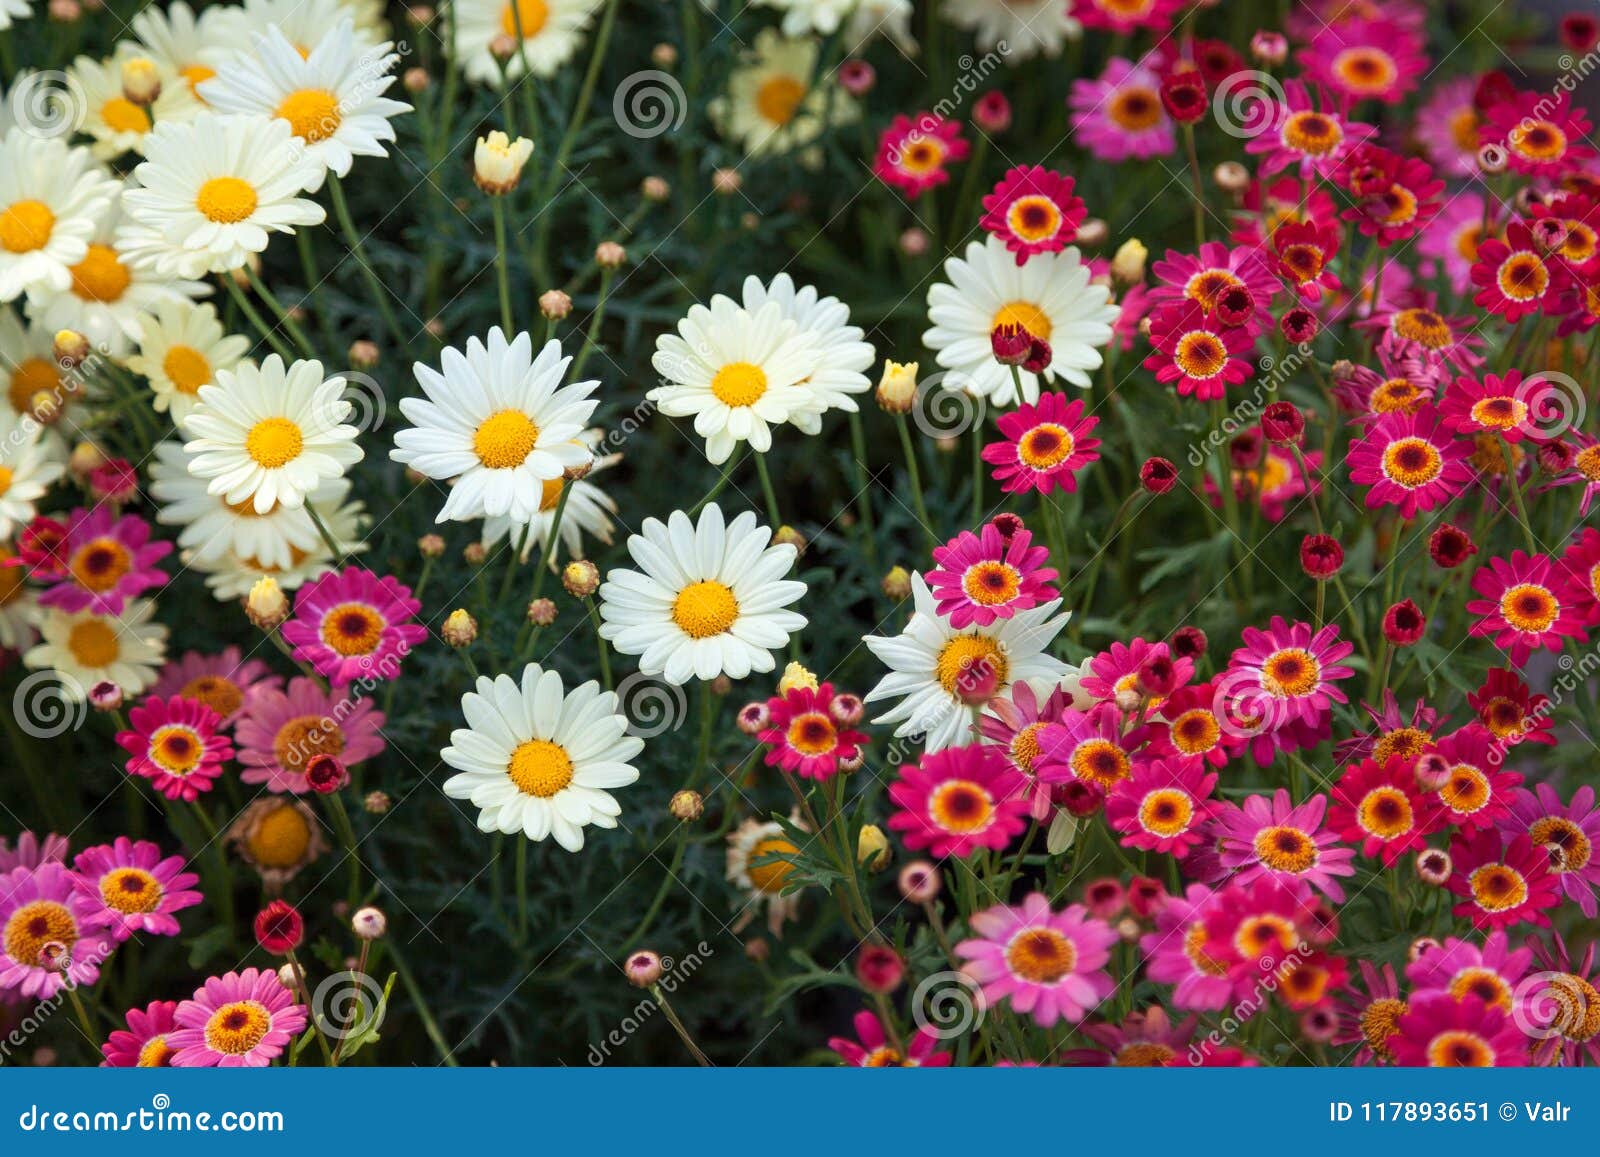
x=380 y=296
x=768 y=491
x=915 y=473
x=502 y=265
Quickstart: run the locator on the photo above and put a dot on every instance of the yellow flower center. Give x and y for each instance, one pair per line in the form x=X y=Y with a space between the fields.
x=1144 y=1055
x=1459 y=1049
x=36 y=387
x=303 y=738
x=1484 y=983
x=1195 y=943
x=226 y=200
x=1423 y=326
x=961 y=806
x=1529 y=607
x=539 y=767
x=1365 y=70
x=1576 y=1006
x=156 y=1054
x=1041 y=955
x=196 y=75
x=1100 y=762
x=1385 y=812
x=1208 y=285
x=1290 y=673
x=1025 y=314
x=130 y=890
x=922 y=155
x=1201 y=354
x=969 y=665
x=280 y=839
x=769 y=877
x=1312 y=133
x=223 y=696
x=93 y=644
x=705 y=608
x=1135 y=109
x=1166 y=812
x=35 y=925
x=237 y=1027
x=26 y=226
x=551 y=494
x=1464 y=129
x=274 y=442
x=98 y=565
x=1195 y=732
x=739 y=384
x=1523 y=277
x=1538 y=140
x=991 y=583
x=812 y=733
x=505 y=439
x=1034 y=218
x=187 y=369
x=1411 y=462
x=353 y=629
x=779 y=98
x=100 y=276
x=1045 y=446
x=1395 y=394
x=1025 y=746
x=5 y=481
x=1258 y=935
x=1286 y=849
x=1497 y=887
x=1379 y=1021
x=528 y=16
x=312 y=113
x=121 y=115
x=1560 y=835
x=1466 y=790
x=177 y=749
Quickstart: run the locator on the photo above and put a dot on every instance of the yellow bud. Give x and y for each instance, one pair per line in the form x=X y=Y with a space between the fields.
x=1128 y=264
x=897 y=389
x=266 y=606
x=497 y=162
x=794 y=675
x=872 y=848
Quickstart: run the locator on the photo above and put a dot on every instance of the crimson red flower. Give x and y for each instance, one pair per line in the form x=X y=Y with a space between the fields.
x=1033 y=210
x=1283 y=423
x=1183 y=95
x=1501 y=884
x=1449 y=546
x=879 y=968
x=1158 y=475
x=1304 y=252
x=1510 y=710
x=1380 y=807
x=1321 y=556
x=914 y=155
x=1513 y=275
x=1187 y=643
x=1196 y=352
x=1525 y=606
x=1404 y=623
x=279 y=928
x=326 y=774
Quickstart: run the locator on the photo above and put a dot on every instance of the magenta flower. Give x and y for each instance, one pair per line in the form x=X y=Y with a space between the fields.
x=240 y=1020
x=31 y=851
x=1288 y=673
x=1012 y=723
x=1568 y=833
x=1439 y=1031
x=1477 y=790
x=1409 y=461
x=1380 y=807
x=1045 y=445
x=354 y=625
x=222 y=682
x=1366 y=59
x=807 y=734
x=1524 y=607
x=1303 y=132
x=959 y=800
x=143 y=1044
x=1180 y=952
x=1462 y=969
x=1119 y=115
x=175 y=744
x=109 y=560
x=48 y=933
x=979 y=579
x=281 y=731
x=133 y=889
x=1276 y=838
x=1502 y=881
x=914 y=154
x=1195 y=352
x=1205 y=277
x=1163 y=805
x=1047 y=965
x=874 y=1051
x=1033 y=210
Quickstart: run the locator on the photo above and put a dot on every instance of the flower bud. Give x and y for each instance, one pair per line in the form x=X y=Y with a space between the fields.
x=430 y=546
x=1449 y=546
x=541 y=612
x=872 y=848
x=497 y=162
x=326 y=774
x=581 y=578
x=1158 y=475
x=610 y=255
x=897 y=389
x=474 y=553
x=1404 y=623
x=105 y=696
x=69 y=348
x=141 y=81
x=415 y=80
x=879 y=968
x=460 y=629
x=555 y=305
x=914 y=242
x=1183 y=95
x=642 y=968
x=279 y=928
x=266 y=606
x=363 y=354
x=1127 y=265
x=1434 y=866
x=686 y=806
x=920 y=882
x=655 y=189
x=726 y=182
x=1269 y=47
x=1283 y=424
x=376 y=803
x=1187 y=643
x=857 y=77
x=847 y=709
x=897 y=583
x=991 y=112
x=1321 y=556
x=369 y=923
x=1231 y=177
x=753 y=718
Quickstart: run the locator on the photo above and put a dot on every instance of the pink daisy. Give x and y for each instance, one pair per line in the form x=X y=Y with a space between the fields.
x=957 y=801
x=914 y=154
x=1439 y=1031
x=1049 y=965
x=1145 y=1039
x=48 y=933
x=1447 y=126
x=1180 y=952
x=1194 y=729
x=1265 y=928
x=1406 y=198
x=175 y=744
x=1543 y=135
x=1584 y=471
x=871 y=1048
x=808 y=733
x=1510 y=710
x=1421 y=331
x=1113 y=674
x=1125 y=16
x=1366 y=60
x=143 y=1044
x=222 y=682
x=1119 y=116
x=31 y=851
x=1012 y=723
x=1525 y=606
x=1514 y=277
x=133 y=889
x=1275 y=838
x=1303 y=133
x=1091 y=749
x=1453 y=238
x=1290 y=670
x=354 y=625
x=1568 y=833
x=1380 y=807
x=1033 y=210
x=1196 y=352
x=1205 y=278
x=109 y=560
x=281 y=731
x=1045 y=445
x=1563 y=1006
x=979 y=578
x=240 y=1020
x=1305 y=253
x=1409 y=461
x=1476 y=791
x=1368 y=1017
x=1405 y=386
x=1162 y=805
x=1507 y=407
x=1462 y=969
x=1392 y=732
x=1501 y=882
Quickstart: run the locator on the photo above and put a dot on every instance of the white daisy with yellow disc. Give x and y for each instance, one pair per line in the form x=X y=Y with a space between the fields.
x=547 y=34
x=500 y=422
x=1049 y=296
x=31 y=379
x=587 y=512
x=941 y=675
x=181 y=347
x=212 y=190
x=14 y=10
x=709 y=598
x=738 y=374
x=51 y=198
x=29 y=463
x=117 y=124
x=775 y=102
x=761 y=859
x=332 y=100
x=304 y=22
x=85 y=648
x=1019 y=29
x=230 y=578
x=271 y=434
x=540 y=760
x=180 y=42
x=843 y=355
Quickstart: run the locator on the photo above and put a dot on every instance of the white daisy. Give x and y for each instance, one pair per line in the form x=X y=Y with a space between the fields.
x=271 y=434
x=887 y=18
x=497 y=420
x=738 y=373
x=541 y=761
x=14 y=10
x=212 y=190
x=803 y=16
x=29 y=375
x=19 y=605
x=761 y=857
x=332 y=100
x=941 y=675
x=1021 y=29
x=29 y=463
x=771 y=105
x=117 y=124
x=842 y=355
x=1050 y=297
x=230 y=577
x=111 y=296
x=551 y=32
x=180 y=42
x=708 y=599
x=85 y=648
x=181 y=348
x=304 y=22
x=214 y=529
x=588 y=512
x=50 y=198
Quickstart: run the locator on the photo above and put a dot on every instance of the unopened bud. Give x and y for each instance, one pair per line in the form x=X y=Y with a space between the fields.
x=141 y=82
x=686 y=806
x=541 y=612
x=581 y=578
x=266 y=606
